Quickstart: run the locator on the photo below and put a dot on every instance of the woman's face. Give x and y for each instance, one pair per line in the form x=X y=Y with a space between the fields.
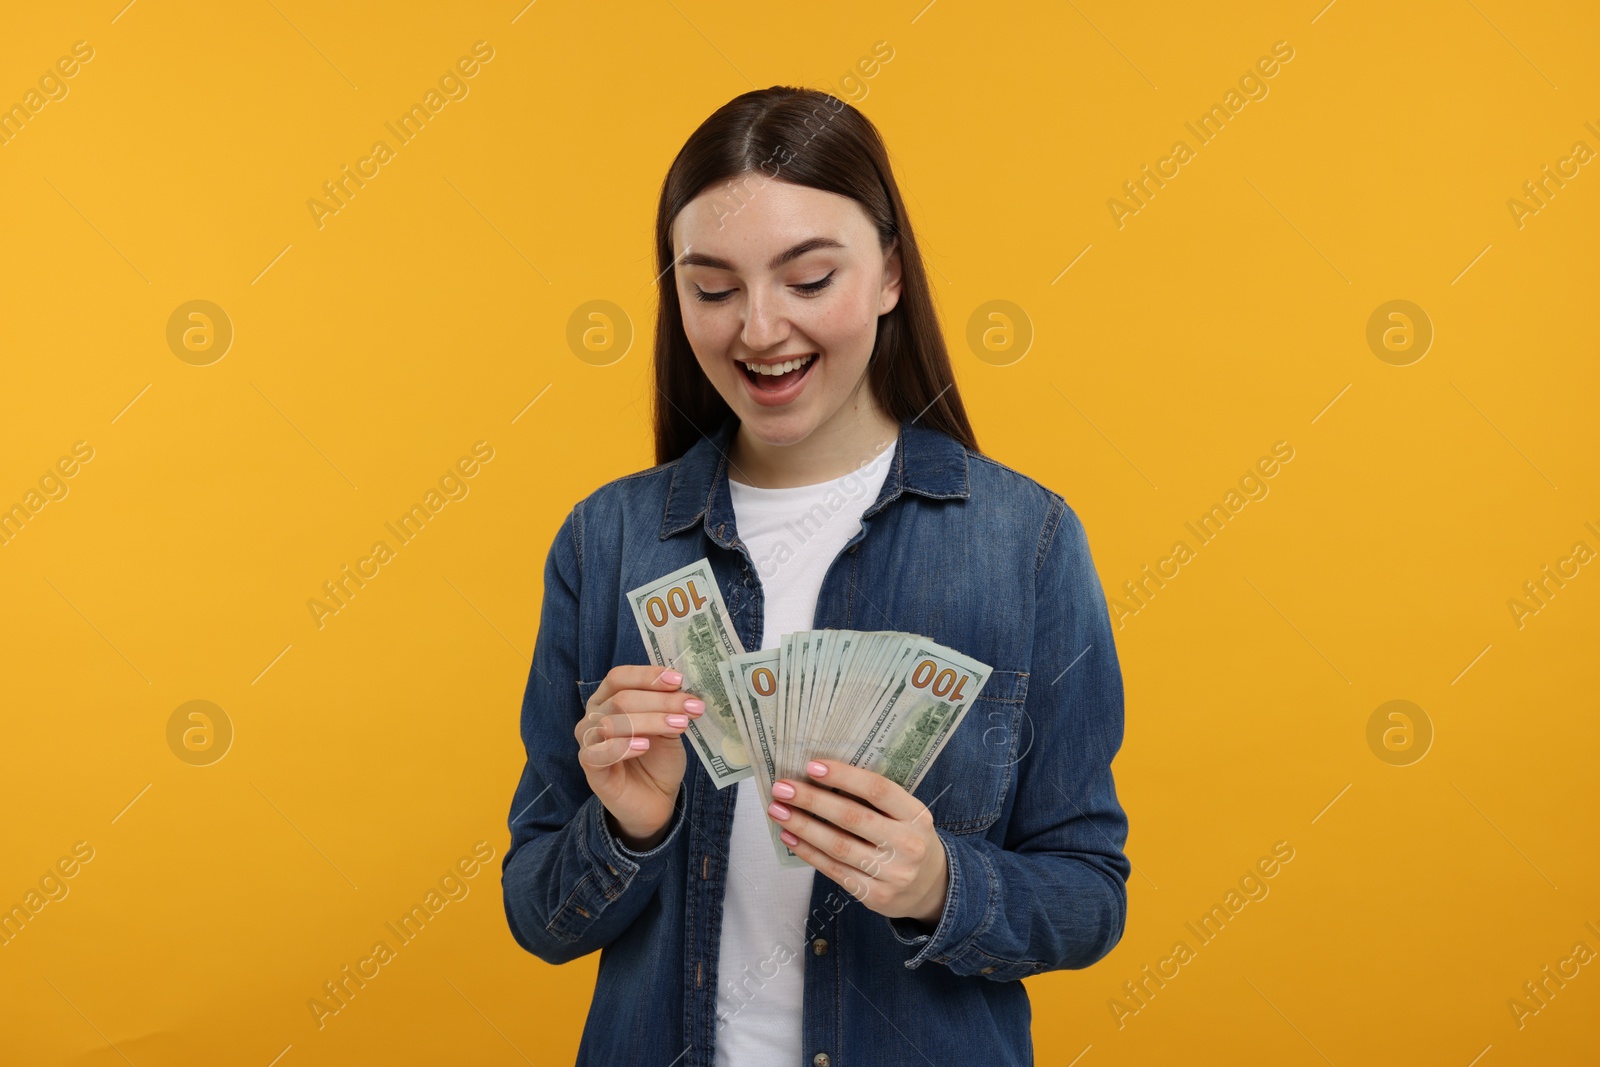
x=782 y=273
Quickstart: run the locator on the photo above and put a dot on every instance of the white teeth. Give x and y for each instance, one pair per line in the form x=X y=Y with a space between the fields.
x=780 y=368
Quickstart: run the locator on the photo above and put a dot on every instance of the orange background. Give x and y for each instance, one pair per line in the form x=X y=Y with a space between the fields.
x=371 y=754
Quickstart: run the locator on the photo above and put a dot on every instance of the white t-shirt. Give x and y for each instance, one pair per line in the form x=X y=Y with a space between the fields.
x=793 y=536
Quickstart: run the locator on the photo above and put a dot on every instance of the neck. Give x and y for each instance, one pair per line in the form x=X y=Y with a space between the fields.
x=856 y=433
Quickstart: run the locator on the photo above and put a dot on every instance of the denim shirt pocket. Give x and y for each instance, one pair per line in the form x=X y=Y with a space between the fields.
x=966 y=786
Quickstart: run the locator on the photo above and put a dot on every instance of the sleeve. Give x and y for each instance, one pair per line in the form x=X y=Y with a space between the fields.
x=570 y=885
x=1055 y=895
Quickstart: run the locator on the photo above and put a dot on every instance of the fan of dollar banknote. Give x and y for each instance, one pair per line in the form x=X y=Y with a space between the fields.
x=884 y=700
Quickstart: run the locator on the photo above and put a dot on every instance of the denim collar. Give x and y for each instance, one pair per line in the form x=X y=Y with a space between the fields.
x=927 y=462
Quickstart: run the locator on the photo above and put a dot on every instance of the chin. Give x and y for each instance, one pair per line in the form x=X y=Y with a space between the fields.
x=778 y=430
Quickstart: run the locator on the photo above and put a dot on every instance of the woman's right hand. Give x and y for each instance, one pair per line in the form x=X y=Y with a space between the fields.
x=629 y=750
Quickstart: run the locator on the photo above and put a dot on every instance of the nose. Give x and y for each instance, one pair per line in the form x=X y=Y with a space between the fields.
x=765 y=326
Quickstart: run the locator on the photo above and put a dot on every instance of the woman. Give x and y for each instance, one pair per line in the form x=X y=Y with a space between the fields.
x=812 y=446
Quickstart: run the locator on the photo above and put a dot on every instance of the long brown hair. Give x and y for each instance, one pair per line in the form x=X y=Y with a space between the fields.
x=811 y=138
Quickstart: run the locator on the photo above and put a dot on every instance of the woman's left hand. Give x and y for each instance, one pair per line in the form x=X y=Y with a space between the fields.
x=884 y=852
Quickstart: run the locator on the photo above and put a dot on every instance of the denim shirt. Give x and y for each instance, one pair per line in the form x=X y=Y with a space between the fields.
x=956 y=547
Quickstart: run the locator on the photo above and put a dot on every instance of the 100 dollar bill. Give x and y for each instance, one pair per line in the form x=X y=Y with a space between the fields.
x=752 y=680
x=924 y=706
x=891 y=711
x=685 y=627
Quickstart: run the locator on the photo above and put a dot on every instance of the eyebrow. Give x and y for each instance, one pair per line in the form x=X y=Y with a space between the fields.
x=700 y=259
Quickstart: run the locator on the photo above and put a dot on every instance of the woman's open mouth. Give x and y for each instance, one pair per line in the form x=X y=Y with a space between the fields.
x=778 y=383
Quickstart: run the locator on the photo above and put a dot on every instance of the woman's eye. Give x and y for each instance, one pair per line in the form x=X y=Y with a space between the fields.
x=818 y=285
x=805 y=287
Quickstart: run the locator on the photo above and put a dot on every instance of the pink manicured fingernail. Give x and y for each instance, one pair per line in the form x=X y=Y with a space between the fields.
x=694 y=707
x=680 y=721
x=816 y=770
x=672 y=677
x=777 y=811
x=783 y=789
x=787 y=838
x=639 y=743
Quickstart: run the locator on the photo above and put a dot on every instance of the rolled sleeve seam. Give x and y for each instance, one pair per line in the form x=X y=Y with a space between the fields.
x=608 y=857
x=929 y=942
x=570 y=904
x=1012 y=968
x=630 y=861
x=934 y=944
x=990 y=910
x=595 y=891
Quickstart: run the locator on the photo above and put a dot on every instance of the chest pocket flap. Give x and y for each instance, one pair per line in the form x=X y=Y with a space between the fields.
x=966 y=786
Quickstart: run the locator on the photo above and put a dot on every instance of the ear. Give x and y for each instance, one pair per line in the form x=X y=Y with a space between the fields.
x=892 y=268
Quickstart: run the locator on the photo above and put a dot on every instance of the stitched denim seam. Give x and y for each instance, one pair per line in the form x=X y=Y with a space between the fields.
x=989 y=914
x=550 y=928
x=666 y=509
x=657 y=469
x=577 y=537
x=952 y=904
x=1052 y=523
x=999 y=961
x=956 y=888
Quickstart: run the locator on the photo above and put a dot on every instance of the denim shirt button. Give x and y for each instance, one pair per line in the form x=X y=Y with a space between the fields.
x=986 y=970
x=819 y=947
x=821 y=1059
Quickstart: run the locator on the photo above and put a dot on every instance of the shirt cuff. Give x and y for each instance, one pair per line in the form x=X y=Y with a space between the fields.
x=967 y=913
x=621 y=861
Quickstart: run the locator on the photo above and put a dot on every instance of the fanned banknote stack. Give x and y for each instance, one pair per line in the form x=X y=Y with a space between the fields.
x=884 y=700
